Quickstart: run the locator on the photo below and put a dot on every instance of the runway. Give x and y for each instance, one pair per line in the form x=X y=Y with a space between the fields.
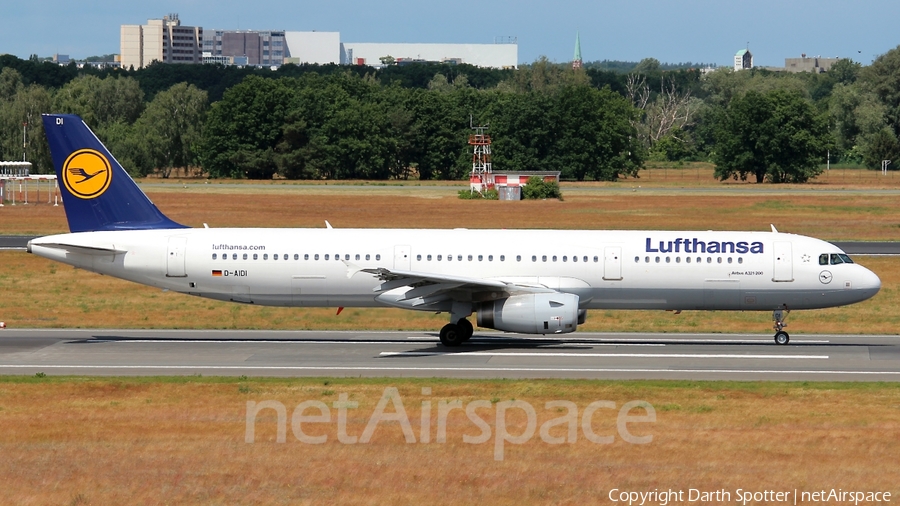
x=419 y=354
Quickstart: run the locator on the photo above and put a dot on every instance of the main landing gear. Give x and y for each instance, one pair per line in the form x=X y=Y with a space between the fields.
x=778 y=316
x=454 y=334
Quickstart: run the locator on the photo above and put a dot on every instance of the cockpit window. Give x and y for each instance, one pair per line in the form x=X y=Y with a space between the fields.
x=840 y=258
x=823 y=259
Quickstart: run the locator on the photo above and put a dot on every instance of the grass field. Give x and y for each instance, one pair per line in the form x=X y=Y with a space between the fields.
x=183 y=441
x=80 y=441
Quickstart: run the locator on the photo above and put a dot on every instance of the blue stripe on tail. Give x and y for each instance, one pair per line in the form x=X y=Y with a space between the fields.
x=98 y=194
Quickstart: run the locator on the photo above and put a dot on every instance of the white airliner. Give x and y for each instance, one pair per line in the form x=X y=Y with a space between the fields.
x=526 y=281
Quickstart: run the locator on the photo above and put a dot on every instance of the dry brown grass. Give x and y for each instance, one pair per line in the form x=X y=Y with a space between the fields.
x=850 y=216
x=134 y=441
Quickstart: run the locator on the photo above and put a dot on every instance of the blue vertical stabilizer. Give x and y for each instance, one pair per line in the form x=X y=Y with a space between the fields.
x=97 y=192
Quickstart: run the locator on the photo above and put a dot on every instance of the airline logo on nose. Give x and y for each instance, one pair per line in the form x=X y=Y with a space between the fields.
x=86 y=174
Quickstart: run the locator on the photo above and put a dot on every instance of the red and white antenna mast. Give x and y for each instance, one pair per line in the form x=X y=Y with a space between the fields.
x=481 y=178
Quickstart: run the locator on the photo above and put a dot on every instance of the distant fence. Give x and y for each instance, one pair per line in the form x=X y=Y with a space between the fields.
x=29 y=190
x=706 y=172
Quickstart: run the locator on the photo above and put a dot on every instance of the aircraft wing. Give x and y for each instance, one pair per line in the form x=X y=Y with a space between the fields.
x=424 y=288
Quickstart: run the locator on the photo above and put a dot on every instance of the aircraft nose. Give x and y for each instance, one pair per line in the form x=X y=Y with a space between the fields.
x=867 y=283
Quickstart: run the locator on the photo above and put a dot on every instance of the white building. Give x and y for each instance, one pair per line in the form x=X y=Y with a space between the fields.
x=743 y=60
x=163 y=40
x=313 y=47
x=481 y=55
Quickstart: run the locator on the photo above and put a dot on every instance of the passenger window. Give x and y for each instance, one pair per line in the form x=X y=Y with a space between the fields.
x=544 y=258
x=378 y=256
x=687 y=259
x=418 y=258
x=297 y=257
x=285 y=256
x=470 y=258
x=234 y=256
x=740 y=260
x=367 y=256
x=518 y=258
x=255 y=256
x=823 y=259
x=719 y=259
x=316 y=257
x=657 y=259
x=245 y=256
x=347 y=256
x=326 y=256
x=668 y=260
x=490 y=258
x=554 y=258
x=574 y=258
x=357 y=256
x=836 y=259
x=459 y=258
x=428 y=257
x=305 y=256
x=275 y=256
x=214 y=256
x=502 y=258
x=637 y=259
x=647 y=259
x=565 y=258
x=534 y=258
x=729 y=259
x=596 y=259
x=677 y=260
x=480 y=258
x=265 y=256
x=585 y=259
x=709 y=260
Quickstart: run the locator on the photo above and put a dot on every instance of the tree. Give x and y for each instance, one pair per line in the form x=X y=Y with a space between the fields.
x=101 y=102
x=879 y=146
x=776 y=136
x=171 y=127
x=595 y=134
x=883 y=78
x=243 y=130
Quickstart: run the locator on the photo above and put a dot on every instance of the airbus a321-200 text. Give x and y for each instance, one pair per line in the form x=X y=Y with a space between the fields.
x=524 y=281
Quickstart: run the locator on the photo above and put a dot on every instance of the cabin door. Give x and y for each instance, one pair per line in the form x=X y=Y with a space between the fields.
x=612 y=263
x=175 y=257
x=784 y=269
x=401 y=258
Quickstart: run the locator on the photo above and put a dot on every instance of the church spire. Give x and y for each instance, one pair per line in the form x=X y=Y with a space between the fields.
x=576 y=62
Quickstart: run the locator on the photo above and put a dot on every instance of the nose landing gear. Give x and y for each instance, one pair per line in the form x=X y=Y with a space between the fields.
x=778 y=316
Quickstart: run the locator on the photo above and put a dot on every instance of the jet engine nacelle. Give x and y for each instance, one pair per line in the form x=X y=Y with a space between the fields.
x=536 y=313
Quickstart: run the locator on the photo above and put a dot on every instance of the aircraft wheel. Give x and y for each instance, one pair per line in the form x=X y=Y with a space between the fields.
x=451 y=335
x=782 y=338
x=465 y=326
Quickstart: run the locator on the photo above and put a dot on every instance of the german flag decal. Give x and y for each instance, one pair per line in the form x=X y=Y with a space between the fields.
x=216 y=273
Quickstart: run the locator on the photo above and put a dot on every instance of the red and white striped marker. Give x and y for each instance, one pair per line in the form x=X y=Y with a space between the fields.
x=2 y=325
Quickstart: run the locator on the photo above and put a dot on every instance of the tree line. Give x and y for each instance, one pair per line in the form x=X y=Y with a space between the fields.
x=355 y=122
